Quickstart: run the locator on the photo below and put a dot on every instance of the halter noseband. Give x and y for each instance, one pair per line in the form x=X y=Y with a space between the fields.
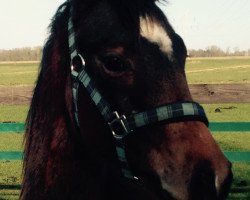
x=122 y=125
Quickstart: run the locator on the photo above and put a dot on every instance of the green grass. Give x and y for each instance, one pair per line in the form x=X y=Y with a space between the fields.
x=241 y=173
x=10 y=175
x=9 y=195
x=18 y=73
x=241 y=184
x=15 y=113
x=233 y=141
x=11 y=142
x=10 y=171
x=207 y=63
x=218 y=70
x=229 y=112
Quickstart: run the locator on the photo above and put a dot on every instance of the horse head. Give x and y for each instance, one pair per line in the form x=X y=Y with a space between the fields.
x=136 y=60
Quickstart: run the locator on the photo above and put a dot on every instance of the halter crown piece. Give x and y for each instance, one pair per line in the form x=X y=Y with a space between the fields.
x=120 y=125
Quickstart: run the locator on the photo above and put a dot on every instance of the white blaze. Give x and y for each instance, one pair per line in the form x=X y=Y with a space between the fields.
x=155 y=33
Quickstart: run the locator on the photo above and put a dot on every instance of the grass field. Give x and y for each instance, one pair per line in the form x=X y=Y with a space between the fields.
x=18 y=73
x=217 y=70
x=16 y=113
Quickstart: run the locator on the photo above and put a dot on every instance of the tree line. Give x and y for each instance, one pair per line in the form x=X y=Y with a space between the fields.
x=215 y=51
x=35 y=53
x=21 y=54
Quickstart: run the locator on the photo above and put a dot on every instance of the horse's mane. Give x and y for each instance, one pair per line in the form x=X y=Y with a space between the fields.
x=50 y=117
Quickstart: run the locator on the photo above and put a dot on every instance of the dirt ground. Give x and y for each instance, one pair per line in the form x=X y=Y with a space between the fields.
x=202 y=93
x=15 y=95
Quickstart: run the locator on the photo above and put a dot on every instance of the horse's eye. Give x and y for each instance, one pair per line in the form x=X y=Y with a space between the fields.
x=114 y=64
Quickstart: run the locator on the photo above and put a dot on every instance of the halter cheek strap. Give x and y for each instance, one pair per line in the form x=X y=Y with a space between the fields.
x=120 y=125
x=80 y=76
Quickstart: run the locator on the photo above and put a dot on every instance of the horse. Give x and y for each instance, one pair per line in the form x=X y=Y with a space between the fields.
x=154 y=143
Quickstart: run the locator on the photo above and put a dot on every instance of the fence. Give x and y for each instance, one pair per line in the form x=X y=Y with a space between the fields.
x=222 y=127
x=12 y=187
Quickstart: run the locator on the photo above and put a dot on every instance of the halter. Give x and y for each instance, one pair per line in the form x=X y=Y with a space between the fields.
x=121 y=125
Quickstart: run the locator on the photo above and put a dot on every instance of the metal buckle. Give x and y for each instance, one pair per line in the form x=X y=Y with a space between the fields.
x=118 y=126
x=77 y=63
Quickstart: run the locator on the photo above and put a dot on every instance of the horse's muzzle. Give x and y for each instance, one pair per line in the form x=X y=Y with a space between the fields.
x=203 y=184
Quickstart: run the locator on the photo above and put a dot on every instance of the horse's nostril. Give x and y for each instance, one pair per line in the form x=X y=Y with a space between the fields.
x=202 y=183
x=167 y=195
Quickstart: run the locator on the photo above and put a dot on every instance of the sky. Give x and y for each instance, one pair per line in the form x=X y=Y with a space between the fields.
x=201 y=23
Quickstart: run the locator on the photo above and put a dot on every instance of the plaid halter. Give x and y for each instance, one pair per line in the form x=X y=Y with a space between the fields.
x=121 y=125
